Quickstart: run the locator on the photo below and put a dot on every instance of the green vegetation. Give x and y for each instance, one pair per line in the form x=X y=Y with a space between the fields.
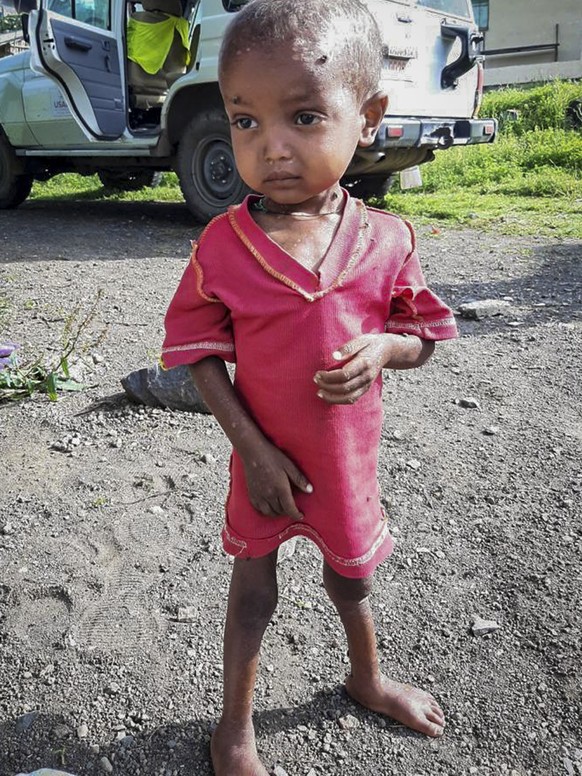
x=21 y=377
x=10 y=22
x=528 y=182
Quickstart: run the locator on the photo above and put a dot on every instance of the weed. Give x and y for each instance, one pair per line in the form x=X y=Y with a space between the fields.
x=50 y=377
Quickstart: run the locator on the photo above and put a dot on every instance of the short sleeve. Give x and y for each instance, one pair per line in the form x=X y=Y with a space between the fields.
x=414 y=308
x=197 y=323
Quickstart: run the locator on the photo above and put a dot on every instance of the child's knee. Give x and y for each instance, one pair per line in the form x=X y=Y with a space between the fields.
x=254 y=608
x=253 y=595
x=346 y=590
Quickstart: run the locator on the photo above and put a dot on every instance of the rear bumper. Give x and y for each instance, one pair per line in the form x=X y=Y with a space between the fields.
x=432 y=133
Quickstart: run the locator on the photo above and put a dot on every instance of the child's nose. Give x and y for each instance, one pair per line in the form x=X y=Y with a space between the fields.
x=276 y=149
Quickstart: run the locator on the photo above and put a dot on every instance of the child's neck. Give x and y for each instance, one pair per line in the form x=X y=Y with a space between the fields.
x=330 y=203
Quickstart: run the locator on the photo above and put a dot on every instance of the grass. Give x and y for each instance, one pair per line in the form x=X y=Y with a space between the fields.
x=528 y=182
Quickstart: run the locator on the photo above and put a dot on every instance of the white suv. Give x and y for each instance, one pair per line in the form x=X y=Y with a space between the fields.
x=83 y=99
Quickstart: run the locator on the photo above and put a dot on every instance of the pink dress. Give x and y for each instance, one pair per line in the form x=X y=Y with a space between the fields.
x=244 y=299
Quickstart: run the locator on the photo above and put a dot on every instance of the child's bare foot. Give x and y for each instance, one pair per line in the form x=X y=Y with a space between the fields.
x=234 y=752
x=412 y=707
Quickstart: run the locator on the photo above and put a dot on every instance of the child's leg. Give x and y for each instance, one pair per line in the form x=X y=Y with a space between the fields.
x=251 y=602
x=410 y=706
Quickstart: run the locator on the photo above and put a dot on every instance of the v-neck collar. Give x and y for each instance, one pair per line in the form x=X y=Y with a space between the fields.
x=343 y=252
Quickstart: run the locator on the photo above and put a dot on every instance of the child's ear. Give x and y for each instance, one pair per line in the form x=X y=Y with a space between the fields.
x=372 y=112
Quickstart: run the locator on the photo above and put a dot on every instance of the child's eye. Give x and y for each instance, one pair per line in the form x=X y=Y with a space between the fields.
x=307 y=119
x=244 y=123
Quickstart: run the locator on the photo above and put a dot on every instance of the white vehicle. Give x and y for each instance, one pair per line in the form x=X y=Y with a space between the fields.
x=87 y=98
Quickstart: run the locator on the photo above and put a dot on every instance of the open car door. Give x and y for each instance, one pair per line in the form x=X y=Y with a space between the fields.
x=72 y=42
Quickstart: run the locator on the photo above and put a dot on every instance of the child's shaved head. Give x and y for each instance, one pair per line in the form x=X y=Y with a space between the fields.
x=341 y=35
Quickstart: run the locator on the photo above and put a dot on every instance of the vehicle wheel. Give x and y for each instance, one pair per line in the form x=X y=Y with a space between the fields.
x=124 y=180
x=205 y=166
x=368 y=186
x=14 y=187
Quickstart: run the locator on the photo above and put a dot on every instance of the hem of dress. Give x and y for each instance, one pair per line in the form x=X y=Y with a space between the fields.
x=354 y=568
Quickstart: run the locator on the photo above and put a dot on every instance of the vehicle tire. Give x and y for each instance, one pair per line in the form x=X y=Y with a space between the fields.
x=368 y=186
x=14 y=186
x=205 y=165
x=124 y=180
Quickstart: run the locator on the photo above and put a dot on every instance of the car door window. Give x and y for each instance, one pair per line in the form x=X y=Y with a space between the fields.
x=455 y=7
x=93 y=12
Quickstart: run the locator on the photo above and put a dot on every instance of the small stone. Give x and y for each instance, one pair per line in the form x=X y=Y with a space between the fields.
x=278 y=771
x=61 y=731
x=207 y=458
x=414 y=464
x=491 y=430
x=7 y=529
x=82 y=731
x=484 y=308
x=105 y=764
x=569 y=766
x=468 y=402
x=186 y=614
x=113 y=688
x=349 y=722
x=481 y=627
x=156 y=510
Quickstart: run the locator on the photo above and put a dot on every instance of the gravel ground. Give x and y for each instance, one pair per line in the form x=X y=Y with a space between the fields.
x=113 y=581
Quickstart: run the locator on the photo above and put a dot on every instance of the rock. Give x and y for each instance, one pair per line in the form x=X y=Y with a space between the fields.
x=156 y=510
x=491 y=430
x=25 y=721
x=569 y=766
x=187 y=614
x=468 y=402
x=61 y=731
x=481 y=627
x=82 y=731
x=105 y=764
x=207 y=458
x=46 y=772
x=156 y=387
x=7 y=529
x=349 y=722
x=278 y=771
x=484 y=308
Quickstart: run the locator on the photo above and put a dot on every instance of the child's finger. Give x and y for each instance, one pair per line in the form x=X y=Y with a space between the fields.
x=350 y=376
x=289 y=507
x=298 y=478
x=351 y=347
x=343 y=398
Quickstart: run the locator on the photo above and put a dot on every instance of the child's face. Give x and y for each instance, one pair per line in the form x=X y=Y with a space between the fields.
x=294 y=125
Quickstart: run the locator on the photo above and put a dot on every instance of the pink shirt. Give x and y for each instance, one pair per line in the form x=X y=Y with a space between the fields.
x=244 y=299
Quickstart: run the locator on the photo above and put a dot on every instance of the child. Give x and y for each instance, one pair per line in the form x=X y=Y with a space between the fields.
x=312 y=294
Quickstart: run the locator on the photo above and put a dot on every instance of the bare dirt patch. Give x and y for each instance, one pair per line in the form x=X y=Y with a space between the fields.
x=110 y=517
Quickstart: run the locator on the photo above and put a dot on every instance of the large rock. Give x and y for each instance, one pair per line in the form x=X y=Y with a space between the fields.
x=157 y=387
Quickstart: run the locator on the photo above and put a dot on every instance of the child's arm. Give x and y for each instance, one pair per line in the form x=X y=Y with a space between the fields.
x=270 y=474
x=365 y=358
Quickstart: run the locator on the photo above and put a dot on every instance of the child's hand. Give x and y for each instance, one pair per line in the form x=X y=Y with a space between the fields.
x=270 y=476
x=365 y=358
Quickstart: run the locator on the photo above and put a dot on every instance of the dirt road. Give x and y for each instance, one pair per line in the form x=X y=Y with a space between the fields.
x=113 y=581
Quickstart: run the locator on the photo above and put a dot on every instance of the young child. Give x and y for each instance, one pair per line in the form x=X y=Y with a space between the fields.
x=312 y=294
